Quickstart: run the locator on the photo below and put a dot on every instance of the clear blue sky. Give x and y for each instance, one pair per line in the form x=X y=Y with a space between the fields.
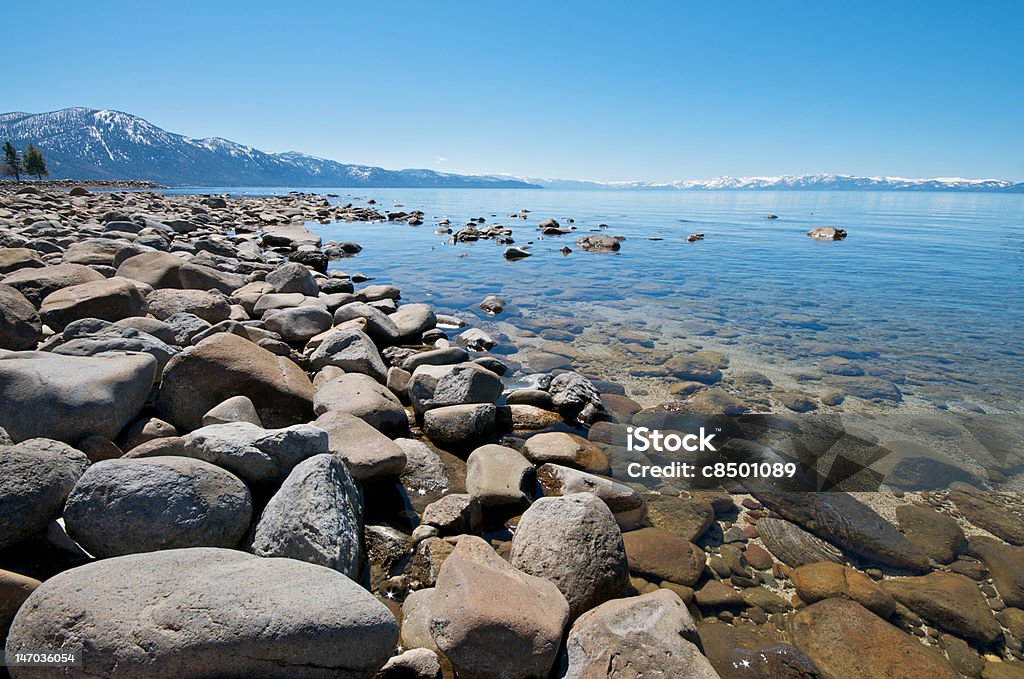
x=597 y=90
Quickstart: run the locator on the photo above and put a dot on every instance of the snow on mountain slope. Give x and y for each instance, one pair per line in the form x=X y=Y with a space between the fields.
x=83 y=143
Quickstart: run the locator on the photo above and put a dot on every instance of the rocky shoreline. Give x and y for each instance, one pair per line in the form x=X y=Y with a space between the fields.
x=223 y=456
x=70 y=184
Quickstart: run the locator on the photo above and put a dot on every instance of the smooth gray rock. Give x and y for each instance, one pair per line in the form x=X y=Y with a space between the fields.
x=196 y=276
x=379 y=326
x=157 y=269
x=298 y=324
x=417 y=663
x=38 y=474
x=412 y=320
x=67 y=398
x=574 y=542
x=498 y=475
x=461 y=426
x=128 y=506
x=364 y=397
x=211 y=307
x=109 y=299
x=316 y=516
x=370 y=455
x=648 y=635
x=448 y=356
x=37 y=284
x=260 y=457
x=234 y=409
x=20 y=327
x=92 y=336
x=625 y=502
x=206 y=612
x=437 y=386
x=351 y=350
x=293 y=277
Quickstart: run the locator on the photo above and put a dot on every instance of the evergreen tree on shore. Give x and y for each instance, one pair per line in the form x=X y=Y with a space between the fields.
x=34 y=163
x=12 y=163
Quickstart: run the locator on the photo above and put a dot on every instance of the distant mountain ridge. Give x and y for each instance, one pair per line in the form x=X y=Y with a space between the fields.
x=801 y=182
x=83 y=143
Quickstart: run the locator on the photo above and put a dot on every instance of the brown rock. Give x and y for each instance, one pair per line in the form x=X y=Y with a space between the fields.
x=689 y=518
x=225 y=365
x=847 y=641
x=949 y=601
x=826 y=580
x=664 y=555
x=937 y=535
x=493 y=621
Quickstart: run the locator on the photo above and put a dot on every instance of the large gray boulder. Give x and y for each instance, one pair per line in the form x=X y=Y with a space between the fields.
x=225 y=365
x=211 y=307
x=37 y=284
x=574 y=542
x=351 y=350
x=364 y=397
x=206 y=612
x=20 y=327
x=38 y=474
x=293 y=277
x=412 y=320
x=260 y=457
x=110 y=299
x=493 y=621
x=437 y=386
x=379 y=325
x=156 y=269
x=127 y=506
x=370 y=455
x=316 y=516
x=196 y=276
x=462 y=426
x=644 y=636
x=92 y=336
x=70 y=397
x=298 y=324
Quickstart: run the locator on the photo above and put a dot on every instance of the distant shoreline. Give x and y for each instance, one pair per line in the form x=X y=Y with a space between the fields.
x=85 y=183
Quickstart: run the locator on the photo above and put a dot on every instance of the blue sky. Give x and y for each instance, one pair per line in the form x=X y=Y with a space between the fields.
x=595 y=90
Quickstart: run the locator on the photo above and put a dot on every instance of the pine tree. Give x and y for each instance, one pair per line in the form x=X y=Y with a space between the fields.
x=12 y=163
x=34 y=162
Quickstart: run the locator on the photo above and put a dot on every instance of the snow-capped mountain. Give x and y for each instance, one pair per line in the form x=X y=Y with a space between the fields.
x=801 y=182
x=83 y=143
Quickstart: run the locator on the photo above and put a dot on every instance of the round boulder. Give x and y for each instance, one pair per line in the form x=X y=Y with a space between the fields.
x=127 y=506
x=207 y=612
x=574 y=542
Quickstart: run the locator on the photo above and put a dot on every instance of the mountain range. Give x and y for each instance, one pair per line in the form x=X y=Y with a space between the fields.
x=83 y=143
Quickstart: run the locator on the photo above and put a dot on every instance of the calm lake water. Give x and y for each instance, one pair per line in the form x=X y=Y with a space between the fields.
x=925 y=292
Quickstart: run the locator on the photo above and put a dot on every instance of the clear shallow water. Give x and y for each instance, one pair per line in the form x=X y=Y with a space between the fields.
x=925 y=292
